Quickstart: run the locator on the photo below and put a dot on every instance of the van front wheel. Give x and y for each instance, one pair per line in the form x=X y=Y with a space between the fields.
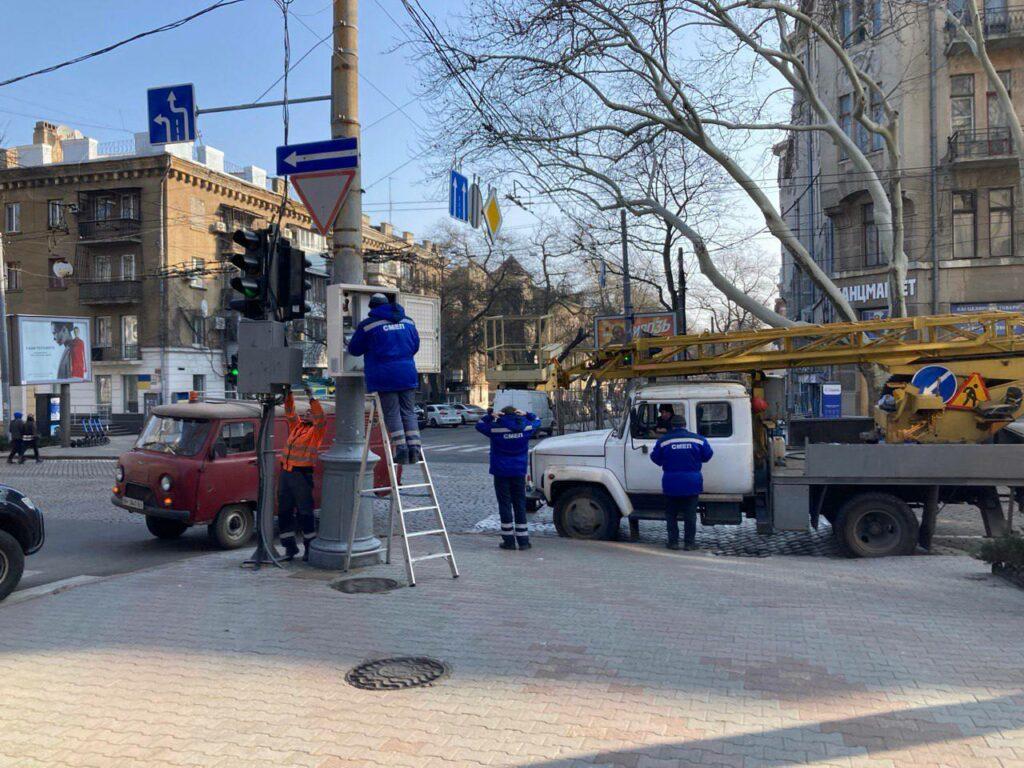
x=587 y=512
x=163 y=528
x=233 y=527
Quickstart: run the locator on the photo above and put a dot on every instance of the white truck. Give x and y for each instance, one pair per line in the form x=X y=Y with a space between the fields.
x=871 y=493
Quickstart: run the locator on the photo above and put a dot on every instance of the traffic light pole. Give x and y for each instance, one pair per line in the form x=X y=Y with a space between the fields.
x=341 y=462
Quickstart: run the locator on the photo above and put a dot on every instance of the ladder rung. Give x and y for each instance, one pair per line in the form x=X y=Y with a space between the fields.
x=431 y=532
x=419 y=509
x=434 y=556
x=415 y=485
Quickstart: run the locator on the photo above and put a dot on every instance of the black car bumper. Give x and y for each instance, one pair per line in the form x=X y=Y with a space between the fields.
x=181 y=515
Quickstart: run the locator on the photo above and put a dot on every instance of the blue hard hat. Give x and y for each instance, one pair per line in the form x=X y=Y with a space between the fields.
x=17 y=414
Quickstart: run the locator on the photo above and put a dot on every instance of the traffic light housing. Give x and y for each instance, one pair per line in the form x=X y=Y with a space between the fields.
x=289 y=285
x=231 y=377
x=253 y=264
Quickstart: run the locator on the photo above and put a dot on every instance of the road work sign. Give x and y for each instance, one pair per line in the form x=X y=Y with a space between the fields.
x=971 y=393
x=935 y=380
x=172 y=113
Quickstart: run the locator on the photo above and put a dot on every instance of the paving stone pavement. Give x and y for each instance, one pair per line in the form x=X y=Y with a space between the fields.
x=572 y=654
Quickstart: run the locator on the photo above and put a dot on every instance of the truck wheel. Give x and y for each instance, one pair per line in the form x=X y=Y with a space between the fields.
x=233 y=527
x=876 y=525
x=12 y=563
x=163 y=528
x=587 y=512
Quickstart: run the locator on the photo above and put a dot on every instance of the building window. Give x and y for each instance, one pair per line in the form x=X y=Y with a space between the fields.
x=961 y=102
x=104 y=208
x=12 y=218
x=872 y=253
x=55 y=214
x=104 y=391
x=130 y=394
x=1000 y=222
x=102 y=335
x=199 y=383
x=198 y=325
x=128 y=266
x=56 y=283
x=878 y=116
x=12 y=275
x=129 y=207
x=964 y=225
x=997 y=117
x=845 y=119
x=101 y=269
x=130 y=337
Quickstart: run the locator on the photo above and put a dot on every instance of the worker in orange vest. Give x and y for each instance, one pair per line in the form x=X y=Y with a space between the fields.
x=301 y=453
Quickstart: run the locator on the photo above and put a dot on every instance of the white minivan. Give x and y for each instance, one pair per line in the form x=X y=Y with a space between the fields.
x=527 y=401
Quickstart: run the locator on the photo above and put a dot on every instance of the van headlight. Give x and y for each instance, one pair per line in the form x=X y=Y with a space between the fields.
x=165 y=483
x=119 y=474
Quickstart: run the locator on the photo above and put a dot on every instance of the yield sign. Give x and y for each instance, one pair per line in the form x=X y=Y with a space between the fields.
x=323 y=193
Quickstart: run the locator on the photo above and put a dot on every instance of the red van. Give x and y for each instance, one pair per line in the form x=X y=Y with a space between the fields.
x=195 y=464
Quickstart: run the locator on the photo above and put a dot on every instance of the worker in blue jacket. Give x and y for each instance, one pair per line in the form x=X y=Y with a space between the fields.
x=390 y=341
x=510 y=437
x=680 y=454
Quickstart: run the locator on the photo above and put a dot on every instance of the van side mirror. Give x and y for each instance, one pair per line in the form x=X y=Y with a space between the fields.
x=220 y=450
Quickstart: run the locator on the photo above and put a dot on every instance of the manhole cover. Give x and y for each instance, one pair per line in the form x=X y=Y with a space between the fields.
x=368 y=584
x=396 y=674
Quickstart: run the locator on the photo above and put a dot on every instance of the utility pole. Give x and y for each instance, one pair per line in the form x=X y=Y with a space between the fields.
x=681 y=297
x=627 y=289
x=5 y=356
x=341 y=461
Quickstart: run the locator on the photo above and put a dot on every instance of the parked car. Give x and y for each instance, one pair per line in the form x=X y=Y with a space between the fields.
x=21 y=534
x=470 y=414
x=442 y=415
x=421 y=417
x=528 y=401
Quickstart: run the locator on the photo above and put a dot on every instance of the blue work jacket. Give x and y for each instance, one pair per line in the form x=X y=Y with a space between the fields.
x=510 y=442
x=680 y=455
x=389 y=341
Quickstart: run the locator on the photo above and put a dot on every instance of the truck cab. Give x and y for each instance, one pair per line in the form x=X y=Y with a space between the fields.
x=593 y=479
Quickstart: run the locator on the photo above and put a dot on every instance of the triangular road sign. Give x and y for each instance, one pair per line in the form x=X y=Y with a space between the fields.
x=971 y=393
x=323 y=192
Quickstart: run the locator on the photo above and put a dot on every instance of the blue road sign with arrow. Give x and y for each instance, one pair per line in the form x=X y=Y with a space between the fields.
x=935 y=380
x=458 y=196
x=331 y=155
x=172 y=113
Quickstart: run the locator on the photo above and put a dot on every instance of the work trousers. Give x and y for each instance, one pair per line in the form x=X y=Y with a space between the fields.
x=17 y=449
x=400 y=417
x=296 y=494
x=511 y=493
x=29 y=445
x=687 y=507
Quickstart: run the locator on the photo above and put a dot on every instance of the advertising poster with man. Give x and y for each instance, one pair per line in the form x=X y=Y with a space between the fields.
x=612 y=330
x=53 y=350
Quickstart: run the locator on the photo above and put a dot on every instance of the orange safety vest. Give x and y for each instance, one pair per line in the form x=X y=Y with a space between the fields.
x=302 y=447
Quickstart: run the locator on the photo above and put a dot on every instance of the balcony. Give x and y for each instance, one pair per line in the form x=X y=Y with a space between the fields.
x=109 y=230
x=110 y=292
x=125 y=353
x=981 y=147
x=1003 y=26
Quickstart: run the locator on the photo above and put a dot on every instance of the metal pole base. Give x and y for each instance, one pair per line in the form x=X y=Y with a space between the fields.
x=328 y=549
x=260 y=556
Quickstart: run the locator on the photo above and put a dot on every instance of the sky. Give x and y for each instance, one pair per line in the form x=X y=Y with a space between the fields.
x=232 y=55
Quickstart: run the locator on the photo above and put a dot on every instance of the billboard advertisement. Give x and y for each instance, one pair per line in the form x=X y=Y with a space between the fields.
x=52 y=350
x=612 y=330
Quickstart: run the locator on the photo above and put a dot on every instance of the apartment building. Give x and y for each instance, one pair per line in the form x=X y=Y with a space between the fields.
x=147 y=234
x=960 y=177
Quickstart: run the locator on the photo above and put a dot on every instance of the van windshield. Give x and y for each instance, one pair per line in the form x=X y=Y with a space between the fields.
x=182 y=437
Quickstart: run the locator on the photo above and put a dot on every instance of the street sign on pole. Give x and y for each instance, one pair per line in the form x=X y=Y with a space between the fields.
x=330 y=155
x=476 y=206
x=458 y=196
x=936 y=380
x=492 y=214
x=323 y=194
x=172 y=113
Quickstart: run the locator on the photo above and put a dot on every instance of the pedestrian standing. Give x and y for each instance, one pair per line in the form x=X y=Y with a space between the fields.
x=301 y=453
x=15 y=432
x=680 y=454
x=389 y=341
x=510 y=437
x=30 y=439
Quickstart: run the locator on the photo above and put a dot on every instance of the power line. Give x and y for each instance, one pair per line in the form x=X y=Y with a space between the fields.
x=107 y=49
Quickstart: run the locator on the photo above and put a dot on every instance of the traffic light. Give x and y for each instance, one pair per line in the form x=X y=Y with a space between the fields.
x=231 y=377
x=288 y=282
x=253 y=263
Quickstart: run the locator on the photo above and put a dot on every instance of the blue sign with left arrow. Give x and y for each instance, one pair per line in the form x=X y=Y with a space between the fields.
x=172 y=113
x=935 y=380
x=332 y=155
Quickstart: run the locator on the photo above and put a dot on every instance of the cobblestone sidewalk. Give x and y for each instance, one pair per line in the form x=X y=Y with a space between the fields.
x=572 y=654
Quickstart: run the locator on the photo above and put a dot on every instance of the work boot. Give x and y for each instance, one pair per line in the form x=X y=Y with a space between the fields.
x=291 y=549
x=401 y=455
x=507 y=542
x=415 y=454
x=673 y=545
x=690 y=546
x=305 y=551
x=523 y=542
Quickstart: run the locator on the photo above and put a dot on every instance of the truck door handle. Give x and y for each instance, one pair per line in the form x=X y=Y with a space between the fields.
x=643 y=449
x=252 y=461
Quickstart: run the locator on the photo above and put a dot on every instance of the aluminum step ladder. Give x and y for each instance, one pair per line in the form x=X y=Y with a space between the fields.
x=397 y=506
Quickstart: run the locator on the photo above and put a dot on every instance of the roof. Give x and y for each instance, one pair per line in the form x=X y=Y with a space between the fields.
x=707 y=389
x=227 y=409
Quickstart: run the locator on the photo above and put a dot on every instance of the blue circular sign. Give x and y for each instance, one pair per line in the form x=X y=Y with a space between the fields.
x=936 y=380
